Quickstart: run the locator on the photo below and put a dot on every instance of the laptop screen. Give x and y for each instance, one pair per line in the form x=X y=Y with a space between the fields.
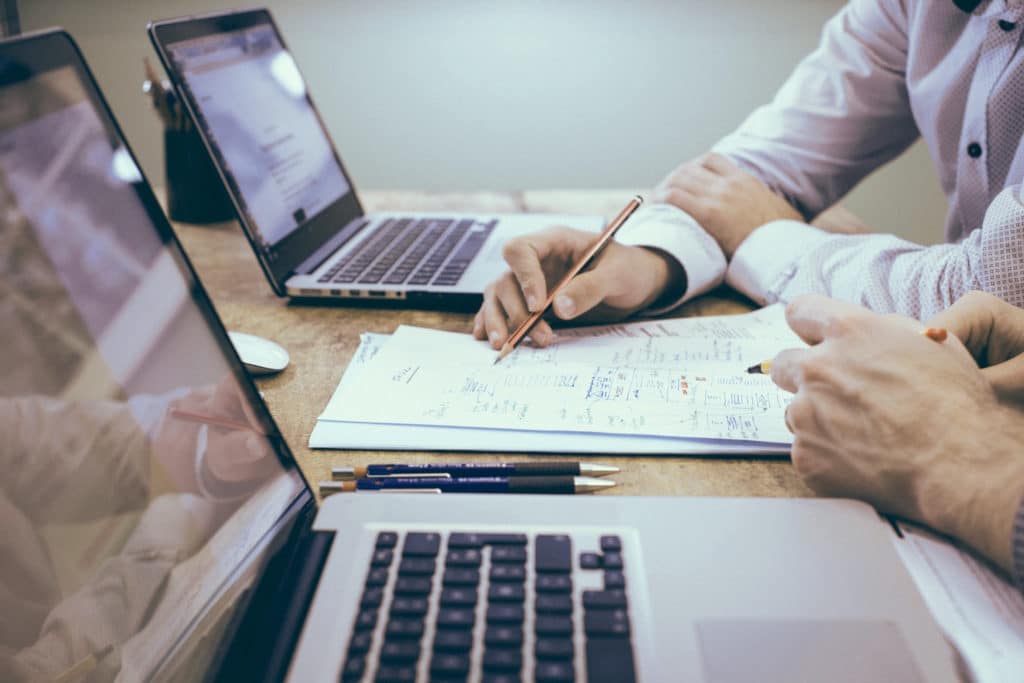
x=143 y=478
x=252 y=104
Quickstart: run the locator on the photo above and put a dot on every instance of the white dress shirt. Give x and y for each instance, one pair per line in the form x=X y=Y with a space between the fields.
x=886 y=72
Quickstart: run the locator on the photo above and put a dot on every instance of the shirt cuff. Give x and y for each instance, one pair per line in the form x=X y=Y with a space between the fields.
x=673 y=231
x=1017 y=549
x=767 y=259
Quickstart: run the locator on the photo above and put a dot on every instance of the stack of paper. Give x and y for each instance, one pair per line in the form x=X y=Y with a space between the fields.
x=671 y=386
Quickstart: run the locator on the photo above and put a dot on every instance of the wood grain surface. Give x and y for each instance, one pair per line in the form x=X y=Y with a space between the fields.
x=322 y=338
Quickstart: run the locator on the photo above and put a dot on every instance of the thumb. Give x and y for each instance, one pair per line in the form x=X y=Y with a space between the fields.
x=583 y=293
x=1007 y=379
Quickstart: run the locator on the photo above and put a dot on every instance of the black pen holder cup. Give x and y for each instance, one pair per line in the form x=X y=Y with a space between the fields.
x=195 y=192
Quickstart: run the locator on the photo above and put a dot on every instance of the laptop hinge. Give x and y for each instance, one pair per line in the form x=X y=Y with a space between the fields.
x=262 y=647
x=330 y=246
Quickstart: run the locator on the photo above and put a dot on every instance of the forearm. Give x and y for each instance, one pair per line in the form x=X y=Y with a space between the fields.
x=785 y=259
x=842 y=113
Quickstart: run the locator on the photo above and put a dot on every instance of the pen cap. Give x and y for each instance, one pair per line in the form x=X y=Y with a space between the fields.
x=195 y=192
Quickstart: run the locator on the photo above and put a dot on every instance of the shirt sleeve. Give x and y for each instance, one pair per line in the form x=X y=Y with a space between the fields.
x=1018 y=547
x=842 y=113
x=784 y=259
x=669 y=229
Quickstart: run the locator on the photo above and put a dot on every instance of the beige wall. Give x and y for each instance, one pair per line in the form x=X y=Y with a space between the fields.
x=510 y=94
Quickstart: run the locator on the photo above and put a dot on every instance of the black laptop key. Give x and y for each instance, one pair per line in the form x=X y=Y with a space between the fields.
x=609 y=660
x=614 y=580
x=360 y=643
x=382 y=558
x=508 y=553
x=464 y=540
x=372 y=597
x=377 y=576
x=604 y=599
x=503 y=636
x=553 y=648
x=399 y=651
x=446 y=664
x=408 y=607
x=590 y=561
x=404 y=629
x=461 y=576
x=501 y=677
x=419 y=544
x=506 y=592
x=554 y=583
x=366 y=620
x=606 y=622
x=505 y=539
x=503 y=659
x=508 y=572
x=505 y=614
x=550 y=625
x=612 y=560
x=458 y=597
x=553 y=604
x=553 y=553
x=455 y=617
x=416 y=566
x=453 y=640
x=353 y=669
x=396 y=674
x=611 y=544
x=465 y=557
x=413 y=585
x=555 y=671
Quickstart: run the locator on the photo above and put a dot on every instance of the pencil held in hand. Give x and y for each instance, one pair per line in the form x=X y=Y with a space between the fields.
x=602 y=241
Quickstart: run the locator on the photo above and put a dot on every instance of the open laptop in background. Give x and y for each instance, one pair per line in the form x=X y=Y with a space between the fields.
x=157 y=527
x=294 y=199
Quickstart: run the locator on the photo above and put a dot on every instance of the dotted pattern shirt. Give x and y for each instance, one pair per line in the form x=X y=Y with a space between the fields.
x=886 y=72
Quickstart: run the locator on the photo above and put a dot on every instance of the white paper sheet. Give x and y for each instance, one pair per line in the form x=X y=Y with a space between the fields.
x=981 y=613
x=674 y=386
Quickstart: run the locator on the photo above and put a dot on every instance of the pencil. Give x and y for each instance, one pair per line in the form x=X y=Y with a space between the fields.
x=200 y=418
x=936 y=334
x=591 y=253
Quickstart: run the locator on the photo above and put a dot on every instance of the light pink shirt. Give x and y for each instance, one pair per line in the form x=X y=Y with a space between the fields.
x=885 y=73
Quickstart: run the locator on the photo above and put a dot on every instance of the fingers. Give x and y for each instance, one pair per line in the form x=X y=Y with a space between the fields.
x=990 y=328
x=1007 y=379
x=503 y=310
x=718 y=164
x=526 y=255
x=786 y=369
x=814 y=317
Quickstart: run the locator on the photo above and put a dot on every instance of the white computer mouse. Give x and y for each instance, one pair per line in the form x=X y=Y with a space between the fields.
x=260 y=356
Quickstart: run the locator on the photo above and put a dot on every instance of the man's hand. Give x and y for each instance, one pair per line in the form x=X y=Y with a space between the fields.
x=885 y=414
x=993 y=331
x=232 y=455
x=727 y=202
x=622 y=281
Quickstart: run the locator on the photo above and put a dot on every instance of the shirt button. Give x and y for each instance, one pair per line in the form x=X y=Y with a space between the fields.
x=974 y=150
x=1007 y=25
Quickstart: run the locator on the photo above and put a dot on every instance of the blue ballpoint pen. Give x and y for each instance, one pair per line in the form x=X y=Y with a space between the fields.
x=469 y=485
x=476 y=469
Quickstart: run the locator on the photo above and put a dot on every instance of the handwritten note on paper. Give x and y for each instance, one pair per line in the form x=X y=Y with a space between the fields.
x=677 y=378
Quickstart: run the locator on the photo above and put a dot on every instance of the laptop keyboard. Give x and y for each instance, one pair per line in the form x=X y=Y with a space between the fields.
x=493 y=607
x=425 y=251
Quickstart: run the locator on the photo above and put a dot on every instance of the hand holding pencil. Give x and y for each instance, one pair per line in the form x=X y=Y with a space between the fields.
x=618 y=282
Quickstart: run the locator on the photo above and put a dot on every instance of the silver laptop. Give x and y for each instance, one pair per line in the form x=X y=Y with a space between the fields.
x=294 y=199
x=157 y=526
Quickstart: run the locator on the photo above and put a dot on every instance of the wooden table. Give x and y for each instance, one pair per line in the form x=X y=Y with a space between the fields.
x=322 y=338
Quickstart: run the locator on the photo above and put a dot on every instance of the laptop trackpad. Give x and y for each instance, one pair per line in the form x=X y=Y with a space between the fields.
x=796 y=651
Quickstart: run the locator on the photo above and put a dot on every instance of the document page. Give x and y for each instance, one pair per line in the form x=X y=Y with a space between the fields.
x=681 y=378
x=981 y=613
